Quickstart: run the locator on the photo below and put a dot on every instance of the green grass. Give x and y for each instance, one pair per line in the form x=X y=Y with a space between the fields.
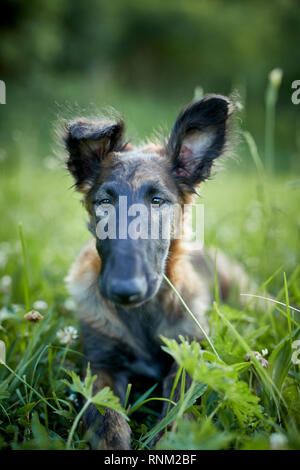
x=253 y=217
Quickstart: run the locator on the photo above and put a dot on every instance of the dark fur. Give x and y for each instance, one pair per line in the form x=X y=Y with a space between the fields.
x=121 y=335
x=211 y=111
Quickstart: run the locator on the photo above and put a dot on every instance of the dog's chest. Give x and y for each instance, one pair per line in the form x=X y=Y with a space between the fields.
x=143 y=326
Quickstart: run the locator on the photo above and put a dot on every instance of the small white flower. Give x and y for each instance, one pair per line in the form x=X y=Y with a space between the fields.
x=275 y=77
x=33 y=316
x=3 y=259
x=73 y=398
x=40 y=305
x=5 y=314
x=296 y=354
x=2 y=352
x=277 y=441
x=295 y=359
x=259 y=357
x=265 y=352
x=5 y=284
x=67 y=335
x=69 y=304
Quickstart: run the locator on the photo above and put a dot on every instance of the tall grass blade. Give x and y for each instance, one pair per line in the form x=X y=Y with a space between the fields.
x=192 y=315
x=25 y=273
x=275 y=77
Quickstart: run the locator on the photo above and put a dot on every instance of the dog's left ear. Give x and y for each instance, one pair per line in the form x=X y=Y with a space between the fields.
x=198 y=137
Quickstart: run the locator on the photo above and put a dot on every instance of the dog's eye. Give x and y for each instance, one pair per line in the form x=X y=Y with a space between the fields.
x=103 y=202
x=157 y=201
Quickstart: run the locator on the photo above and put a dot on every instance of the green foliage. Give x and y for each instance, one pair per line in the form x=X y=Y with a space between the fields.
x=102 y=399
x=196 y=435
x=223 y=379
x=280 y=360
x=184 y=405
x=42 y=439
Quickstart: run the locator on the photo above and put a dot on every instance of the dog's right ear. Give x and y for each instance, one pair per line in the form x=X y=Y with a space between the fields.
x=87 y=142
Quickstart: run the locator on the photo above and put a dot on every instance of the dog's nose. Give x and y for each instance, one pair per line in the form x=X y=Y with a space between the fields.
x=128 y=291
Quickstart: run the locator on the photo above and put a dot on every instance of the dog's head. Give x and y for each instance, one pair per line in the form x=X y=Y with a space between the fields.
x=130 y=192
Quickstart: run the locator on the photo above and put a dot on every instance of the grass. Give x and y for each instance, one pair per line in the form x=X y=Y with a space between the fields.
x=253 y=217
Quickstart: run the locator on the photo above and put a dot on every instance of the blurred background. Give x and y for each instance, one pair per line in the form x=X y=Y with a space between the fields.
x=66 y=57
x=145 y=59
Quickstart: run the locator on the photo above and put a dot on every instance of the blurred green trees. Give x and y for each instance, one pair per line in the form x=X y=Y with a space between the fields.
x=163 y=49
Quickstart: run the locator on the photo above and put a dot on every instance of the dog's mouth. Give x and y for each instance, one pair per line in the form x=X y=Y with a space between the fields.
x=131 y=304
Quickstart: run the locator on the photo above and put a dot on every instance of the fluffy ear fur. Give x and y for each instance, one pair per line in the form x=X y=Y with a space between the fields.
x=87 y=142
x=198 y=137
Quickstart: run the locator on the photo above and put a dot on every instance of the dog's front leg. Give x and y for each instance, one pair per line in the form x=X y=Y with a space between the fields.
x=111 y=431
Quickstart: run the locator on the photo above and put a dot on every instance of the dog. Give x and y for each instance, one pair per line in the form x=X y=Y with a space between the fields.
x=118 y=283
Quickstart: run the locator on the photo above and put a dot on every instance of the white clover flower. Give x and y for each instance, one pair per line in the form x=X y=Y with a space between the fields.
x=296 y=354
x=259 y=357
x=73 y=398
x=5 y=284
x=67 y=335
x=277 y=441
x=275 y=77
x=69 y=304
x=3 y=259
x=264 y=352
x=33 y=316
x=40 y=305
